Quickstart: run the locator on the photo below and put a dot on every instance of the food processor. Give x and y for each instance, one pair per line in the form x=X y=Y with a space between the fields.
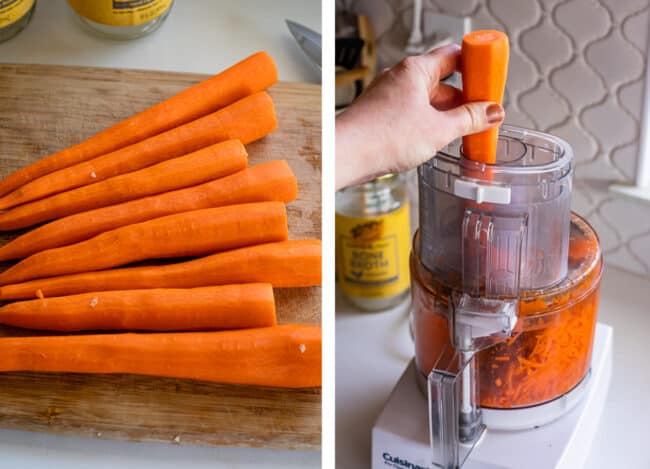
x=510 y=368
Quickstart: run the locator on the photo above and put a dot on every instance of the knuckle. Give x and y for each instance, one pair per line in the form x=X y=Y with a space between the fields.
x=409 y=64
x=415 y=66
x=410 y=61
x=472 y=119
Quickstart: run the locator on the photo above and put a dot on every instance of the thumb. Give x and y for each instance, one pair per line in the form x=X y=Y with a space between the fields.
x=471 y=118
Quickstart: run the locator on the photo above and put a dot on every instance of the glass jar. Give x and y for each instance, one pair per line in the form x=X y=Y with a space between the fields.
x=121 y=19
x=14 y=16
x=373 y=243
x=548 y=354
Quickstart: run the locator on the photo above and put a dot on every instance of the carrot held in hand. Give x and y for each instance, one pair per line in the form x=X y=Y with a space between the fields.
x=286 y=356
x=247 y=120
x=294 y=263
x=484 y=67
x=208 y=163
x=253 y=74
x=173 y=309
x=271 y=181
x=193 y=233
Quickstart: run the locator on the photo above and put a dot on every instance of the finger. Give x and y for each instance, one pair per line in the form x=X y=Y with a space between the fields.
x=446 y=97
x=470 y=118
x=441 y=62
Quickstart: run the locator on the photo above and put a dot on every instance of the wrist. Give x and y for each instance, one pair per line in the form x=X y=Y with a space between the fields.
x=358 y=148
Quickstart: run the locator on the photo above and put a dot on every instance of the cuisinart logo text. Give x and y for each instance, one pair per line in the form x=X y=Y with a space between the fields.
x=395 y=461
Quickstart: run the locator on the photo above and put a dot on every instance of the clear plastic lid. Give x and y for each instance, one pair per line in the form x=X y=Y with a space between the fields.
x=511 y=214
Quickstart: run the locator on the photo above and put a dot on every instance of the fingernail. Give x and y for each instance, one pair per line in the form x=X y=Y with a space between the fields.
x=494 y=113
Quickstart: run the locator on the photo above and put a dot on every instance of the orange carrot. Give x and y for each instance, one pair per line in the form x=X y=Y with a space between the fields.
x=484 y=66
x=253 y=74
x=184 y=234
x=248 y=119
x=282 y=356
x=211 y=162
x=222 y=307
x=295 y=263
x=582 y=248
x=272 y=181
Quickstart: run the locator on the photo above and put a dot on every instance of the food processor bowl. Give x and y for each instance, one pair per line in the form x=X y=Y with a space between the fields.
x=549 y=352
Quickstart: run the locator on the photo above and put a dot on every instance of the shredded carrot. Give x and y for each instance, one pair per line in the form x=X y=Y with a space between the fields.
x=551 y=351
x=547 y=364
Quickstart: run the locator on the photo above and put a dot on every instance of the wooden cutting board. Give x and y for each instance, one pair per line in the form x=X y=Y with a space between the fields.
x=46 y=108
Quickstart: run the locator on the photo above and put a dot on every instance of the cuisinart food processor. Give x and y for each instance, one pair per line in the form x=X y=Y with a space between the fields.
x=511 y=369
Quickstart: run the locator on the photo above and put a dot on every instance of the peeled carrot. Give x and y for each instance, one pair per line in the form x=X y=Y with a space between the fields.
x=286 y=356
x=295 y=263
x=207 y=308
x=248 y=119
x=193 y=233
x=211 y=162
x=253 y=74
x=484 y=67
x=271 y=181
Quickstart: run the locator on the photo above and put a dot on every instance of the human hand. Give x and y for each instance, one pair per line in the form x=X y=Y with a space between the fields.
x=405 y=116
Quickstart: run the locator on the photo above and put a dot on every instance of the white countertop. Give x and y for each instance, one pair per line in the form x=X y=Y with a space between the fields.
x=202 y=36
x=381 y=348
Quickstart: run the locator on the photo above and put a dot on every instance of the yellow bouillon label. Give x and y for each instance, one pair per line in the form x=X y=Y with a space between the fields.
x=12 y=10
x=373 y=254
x=120 y=12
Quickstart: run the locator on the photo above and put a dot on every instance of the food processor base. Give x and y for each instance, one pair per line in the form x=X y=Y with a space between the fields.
x=400 y=436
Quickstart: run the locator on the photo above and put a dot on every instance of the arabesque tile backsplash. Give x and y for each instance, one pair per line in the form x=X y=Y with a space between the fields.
x=577 y=71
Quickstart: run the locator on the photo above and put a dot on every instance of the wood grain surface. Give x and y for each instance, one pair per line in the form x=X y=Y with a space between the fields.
x=46 y=108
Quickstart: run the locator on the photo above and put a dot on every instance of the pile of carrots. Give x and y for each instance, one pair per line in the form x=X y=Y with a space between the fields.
x=170 y=182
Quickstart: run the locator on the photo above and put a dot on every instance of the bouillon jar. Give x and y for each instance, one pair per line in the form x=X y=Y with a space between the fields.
x=121 y=19
x=373 y=242
x=14 y=16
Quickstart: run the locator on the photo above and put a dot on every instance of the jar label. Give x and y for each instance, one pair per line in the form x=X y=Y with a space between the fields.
x=373 y=254
x=120 y=12
x=13 y=10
